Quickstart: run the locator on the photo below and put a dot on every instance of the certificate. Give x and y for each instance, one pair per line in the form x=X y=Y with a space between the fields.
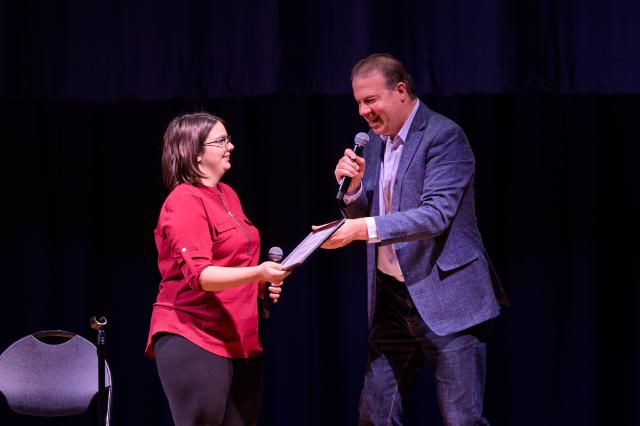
x=311 y=244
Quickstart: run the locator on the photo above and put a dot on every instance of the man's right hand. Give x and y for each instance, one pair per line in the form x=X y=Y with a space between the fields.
x=352 y=166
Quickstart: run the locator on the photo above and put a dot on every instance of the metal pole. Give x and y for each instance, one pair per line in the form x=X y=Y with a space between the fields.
x=99 y=324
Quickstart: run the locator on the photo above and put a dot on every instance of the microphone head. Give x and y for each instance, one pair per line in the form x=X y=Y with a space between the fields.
x=275 y=254
x=361 y=139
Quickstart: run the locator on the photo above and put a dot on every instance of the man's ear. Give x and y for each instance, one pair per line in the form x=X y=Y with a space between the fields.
x=401 y=87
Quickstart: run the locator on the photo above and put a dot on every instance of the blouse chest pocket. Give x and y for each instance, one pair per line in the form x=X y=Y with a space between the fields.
x=223 y=229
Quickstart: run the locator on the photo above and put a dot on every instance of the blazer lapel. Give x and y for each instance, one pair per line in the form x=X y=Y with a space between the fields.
x=409 y=148
x=376 y=158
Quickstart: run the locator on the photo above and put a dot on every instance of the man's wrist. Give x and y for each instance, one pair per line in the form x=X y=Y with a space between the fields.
x=350 y=197
x=363 y=229
x=372 y=231
x=355 y=191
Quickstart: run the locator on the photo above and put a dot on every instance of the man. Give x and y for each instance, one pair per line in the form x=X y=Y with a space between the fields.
x=432 y=290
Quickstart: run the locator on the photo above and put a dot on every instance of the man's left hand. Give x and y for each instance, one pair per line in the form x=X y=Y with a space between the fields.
x=352 y=229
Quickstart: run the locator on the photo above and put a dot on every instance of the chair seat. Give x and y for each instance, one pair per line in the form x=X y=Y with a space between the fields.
x=43 y=379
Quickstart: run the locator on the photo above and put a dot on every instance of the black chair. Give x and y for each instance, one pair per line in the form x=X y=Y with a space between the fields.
x=39 y=378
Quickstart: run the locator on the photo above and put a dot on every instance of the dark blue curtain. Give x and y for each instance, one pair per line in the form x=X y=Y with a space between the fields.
x=547 y=94
x=154 y=50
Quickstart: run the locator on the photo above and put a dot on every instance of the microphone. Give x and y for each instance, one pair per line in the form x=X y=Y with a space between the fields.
x=275 y=255
x=359 y=142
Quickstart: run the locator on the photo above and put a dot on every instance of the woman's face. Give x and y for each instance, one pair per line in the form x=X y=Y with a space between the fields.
x=215 y=159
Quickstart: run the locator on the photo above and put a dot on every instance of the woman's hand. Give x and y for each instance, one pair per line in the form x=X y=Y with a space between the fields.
x=275 y=290
x=215 y=278
x=272 y=272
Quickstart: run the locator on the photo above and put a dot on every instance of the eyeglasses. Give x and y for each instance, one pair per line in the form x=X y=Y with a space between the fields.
x=222 y=142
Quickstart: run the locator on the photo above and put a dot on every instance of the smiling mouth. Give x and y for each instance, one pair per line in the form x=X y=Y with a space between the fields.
x=373 y=121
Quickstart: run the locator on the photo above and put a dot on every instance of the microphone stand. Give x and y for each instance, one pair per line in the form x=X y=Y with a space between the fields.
x=98 y=325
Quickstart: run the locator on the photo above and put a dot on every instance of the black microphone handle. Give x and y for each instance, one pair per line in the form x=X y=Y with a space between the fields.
x=266 y=302
x=346 y=180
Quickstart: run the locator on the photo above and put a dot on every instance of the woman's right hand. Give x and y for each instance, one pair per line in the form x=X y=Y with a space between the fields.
x=273 y=272
x=215 y=278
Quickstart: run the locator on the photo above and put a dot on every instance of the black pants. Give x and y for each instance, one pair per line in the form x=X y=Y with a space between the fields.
x=205 y=389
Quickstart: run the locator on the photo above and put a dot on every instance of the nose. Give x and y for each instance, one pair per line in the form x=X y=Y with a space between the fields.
x=363 y=109
x=230 y=146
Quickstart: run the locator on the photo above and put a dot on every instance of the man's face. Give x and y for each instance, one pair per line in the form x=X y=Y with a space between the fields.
x=381 y=106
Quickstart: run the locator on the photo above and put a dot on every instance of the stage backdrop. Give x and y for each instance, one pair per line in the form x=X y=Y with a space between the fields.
x=547 y=95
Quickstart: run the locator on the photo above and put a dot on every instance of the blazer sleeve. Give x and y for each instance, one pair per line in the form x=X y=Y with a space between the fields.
x=358 y=208
x=449 y=169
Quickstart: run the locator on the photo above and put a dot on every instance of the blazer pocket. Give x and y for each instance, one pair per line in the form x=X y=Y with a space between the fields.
x=454 y=260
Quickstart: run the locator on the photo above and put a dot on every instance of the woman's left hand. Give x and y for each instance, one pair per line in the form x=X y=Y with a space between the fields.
x=275 y=289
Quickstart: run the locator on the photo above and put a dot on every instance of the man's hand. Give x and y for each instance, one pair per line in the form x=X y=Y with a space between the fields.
x=352 y=166
x=352 y=229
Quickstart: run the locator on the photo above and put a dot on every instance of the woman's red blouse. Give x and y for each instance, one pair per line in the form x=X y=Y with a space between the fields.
x=201 y=226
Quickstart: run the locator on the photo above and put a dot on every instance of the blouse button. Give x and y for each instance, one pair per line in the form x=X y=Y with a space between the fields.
x=184 y=249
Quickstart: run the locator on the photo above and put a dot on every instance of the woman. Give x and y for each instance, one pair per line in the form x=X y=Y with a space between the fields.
x=204 y=326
